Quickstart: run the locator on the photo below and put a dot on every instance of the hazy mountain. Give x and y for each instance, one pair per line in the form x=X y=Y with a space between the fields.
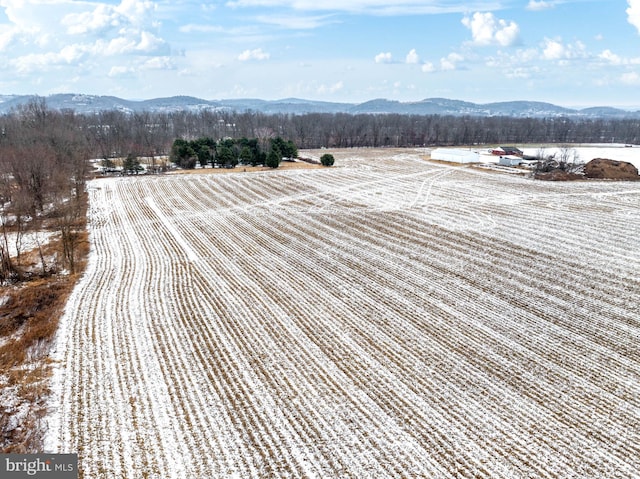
x=528 y=109
x=604 y=111
x=430 y=106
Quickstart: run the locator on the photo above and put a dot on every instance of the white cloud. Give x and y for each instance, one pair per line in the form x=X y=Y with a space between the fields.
x=556 y=50
x=159 y=63
x=519 y=57
x=231 y=31
x=295 y=22
x=383 y=57
x=537 y=5
x=611 y=57
x=412 y=57
x=486 y=29
x=519 y=73
x=145 y=44
x=370 y=7
x=197 y=28
x=45 y=61
x=149 y=43
x=428 y=67
x=630 y=78
x=121 y=71
x=616 y=60
x=30 y=16
x=207 y=8
x=117 y=71
x=51 y=24
x=336 y=87
x=41 y=16
x=450 y=62
x=633 y=13
x=103 y=17
x=7 y=35
x=256 y=54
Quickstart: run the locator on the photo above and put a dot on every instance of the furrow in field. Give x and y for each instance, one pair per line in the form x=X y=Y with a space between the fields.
x=293 y=302
x=323 y=265
x=388 y=318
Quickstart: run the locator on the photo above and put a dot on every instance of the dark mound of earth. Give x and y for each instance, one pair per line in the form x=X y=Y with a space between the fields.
x=558 y=175
x=605 y=169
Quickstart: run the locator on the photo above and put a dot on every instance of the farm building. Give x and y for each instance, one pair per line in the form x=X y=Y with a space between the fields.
x=507 y=151
x=509 y=160
x=455 y=156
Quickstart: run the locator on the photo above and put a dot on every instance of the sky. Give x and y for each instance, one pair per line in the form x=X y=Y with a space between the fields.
x=574 y=53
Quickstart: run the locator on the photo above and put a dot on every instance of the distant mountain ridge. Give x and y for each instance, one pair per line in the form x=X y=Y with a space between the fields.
x=89 y=104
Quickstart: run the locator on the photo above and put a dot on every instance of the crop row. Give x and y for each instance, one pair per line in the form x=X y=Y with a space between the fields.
x=385 y=318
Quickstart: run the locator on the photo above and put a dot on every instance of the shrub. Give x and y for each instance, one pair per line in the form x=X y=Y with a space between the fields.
x=327 y=159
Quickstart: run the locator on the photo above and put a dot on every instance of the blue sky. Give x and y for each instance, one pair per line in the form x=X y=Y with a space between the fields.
x=570 y=52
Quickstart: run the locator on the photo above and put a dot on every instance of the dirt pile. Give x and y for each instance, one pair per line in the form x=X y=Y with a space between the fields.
x=558 y=175
x=605 y=169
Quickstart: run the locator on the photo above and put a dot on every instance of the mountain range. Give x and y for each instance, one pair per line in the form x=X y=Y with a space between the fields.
x=89 y=104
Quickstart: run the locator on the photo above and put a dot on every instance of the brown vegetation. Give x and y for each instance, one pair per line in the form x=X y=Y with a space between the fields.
x=28 y=323
x=43 y=169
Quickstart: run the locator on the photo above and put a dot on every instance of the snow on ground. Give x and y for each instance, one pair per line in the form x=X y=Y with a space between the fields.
x=27 y=241
x=585 y=153
x=618 y=152
x=387 y=317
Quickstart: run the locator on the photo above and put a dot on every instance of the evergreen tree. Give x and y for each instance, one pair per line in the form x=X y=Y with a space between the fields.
x=183 y=154
x=273 y=158
x=131 y=165
x=327 y=159
x=246 y=155
x=225 y=156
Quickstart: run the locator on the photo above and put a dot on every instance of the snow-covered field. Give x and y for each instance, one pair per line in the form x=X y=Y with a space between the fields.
x=384 y=318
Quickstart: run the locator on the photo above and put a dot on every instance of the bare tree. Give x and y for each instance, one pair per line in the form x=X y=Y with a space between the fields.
x=43 y=169
x=569 y=159
x=7 y=268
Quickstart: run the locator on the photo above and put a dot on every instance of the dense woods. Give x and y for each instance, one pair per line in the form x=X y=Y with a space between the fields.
x=154 y=133
x=118 y=134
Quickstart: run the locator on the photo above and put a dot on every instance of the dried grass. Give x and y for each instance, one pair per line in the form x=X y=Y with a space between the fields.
x=30 y=316
x=29 y=319
x=285 y=165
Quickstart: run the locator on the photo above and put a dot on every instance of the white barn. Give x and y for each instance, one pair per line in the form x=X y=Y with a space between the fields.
x=455 y=156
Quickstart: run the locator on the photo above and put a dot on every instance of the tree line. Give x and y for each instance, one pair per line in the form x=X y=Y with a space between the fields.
x=117 y=134
x=44 y=152
x=229 y=152
x=43 y=169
